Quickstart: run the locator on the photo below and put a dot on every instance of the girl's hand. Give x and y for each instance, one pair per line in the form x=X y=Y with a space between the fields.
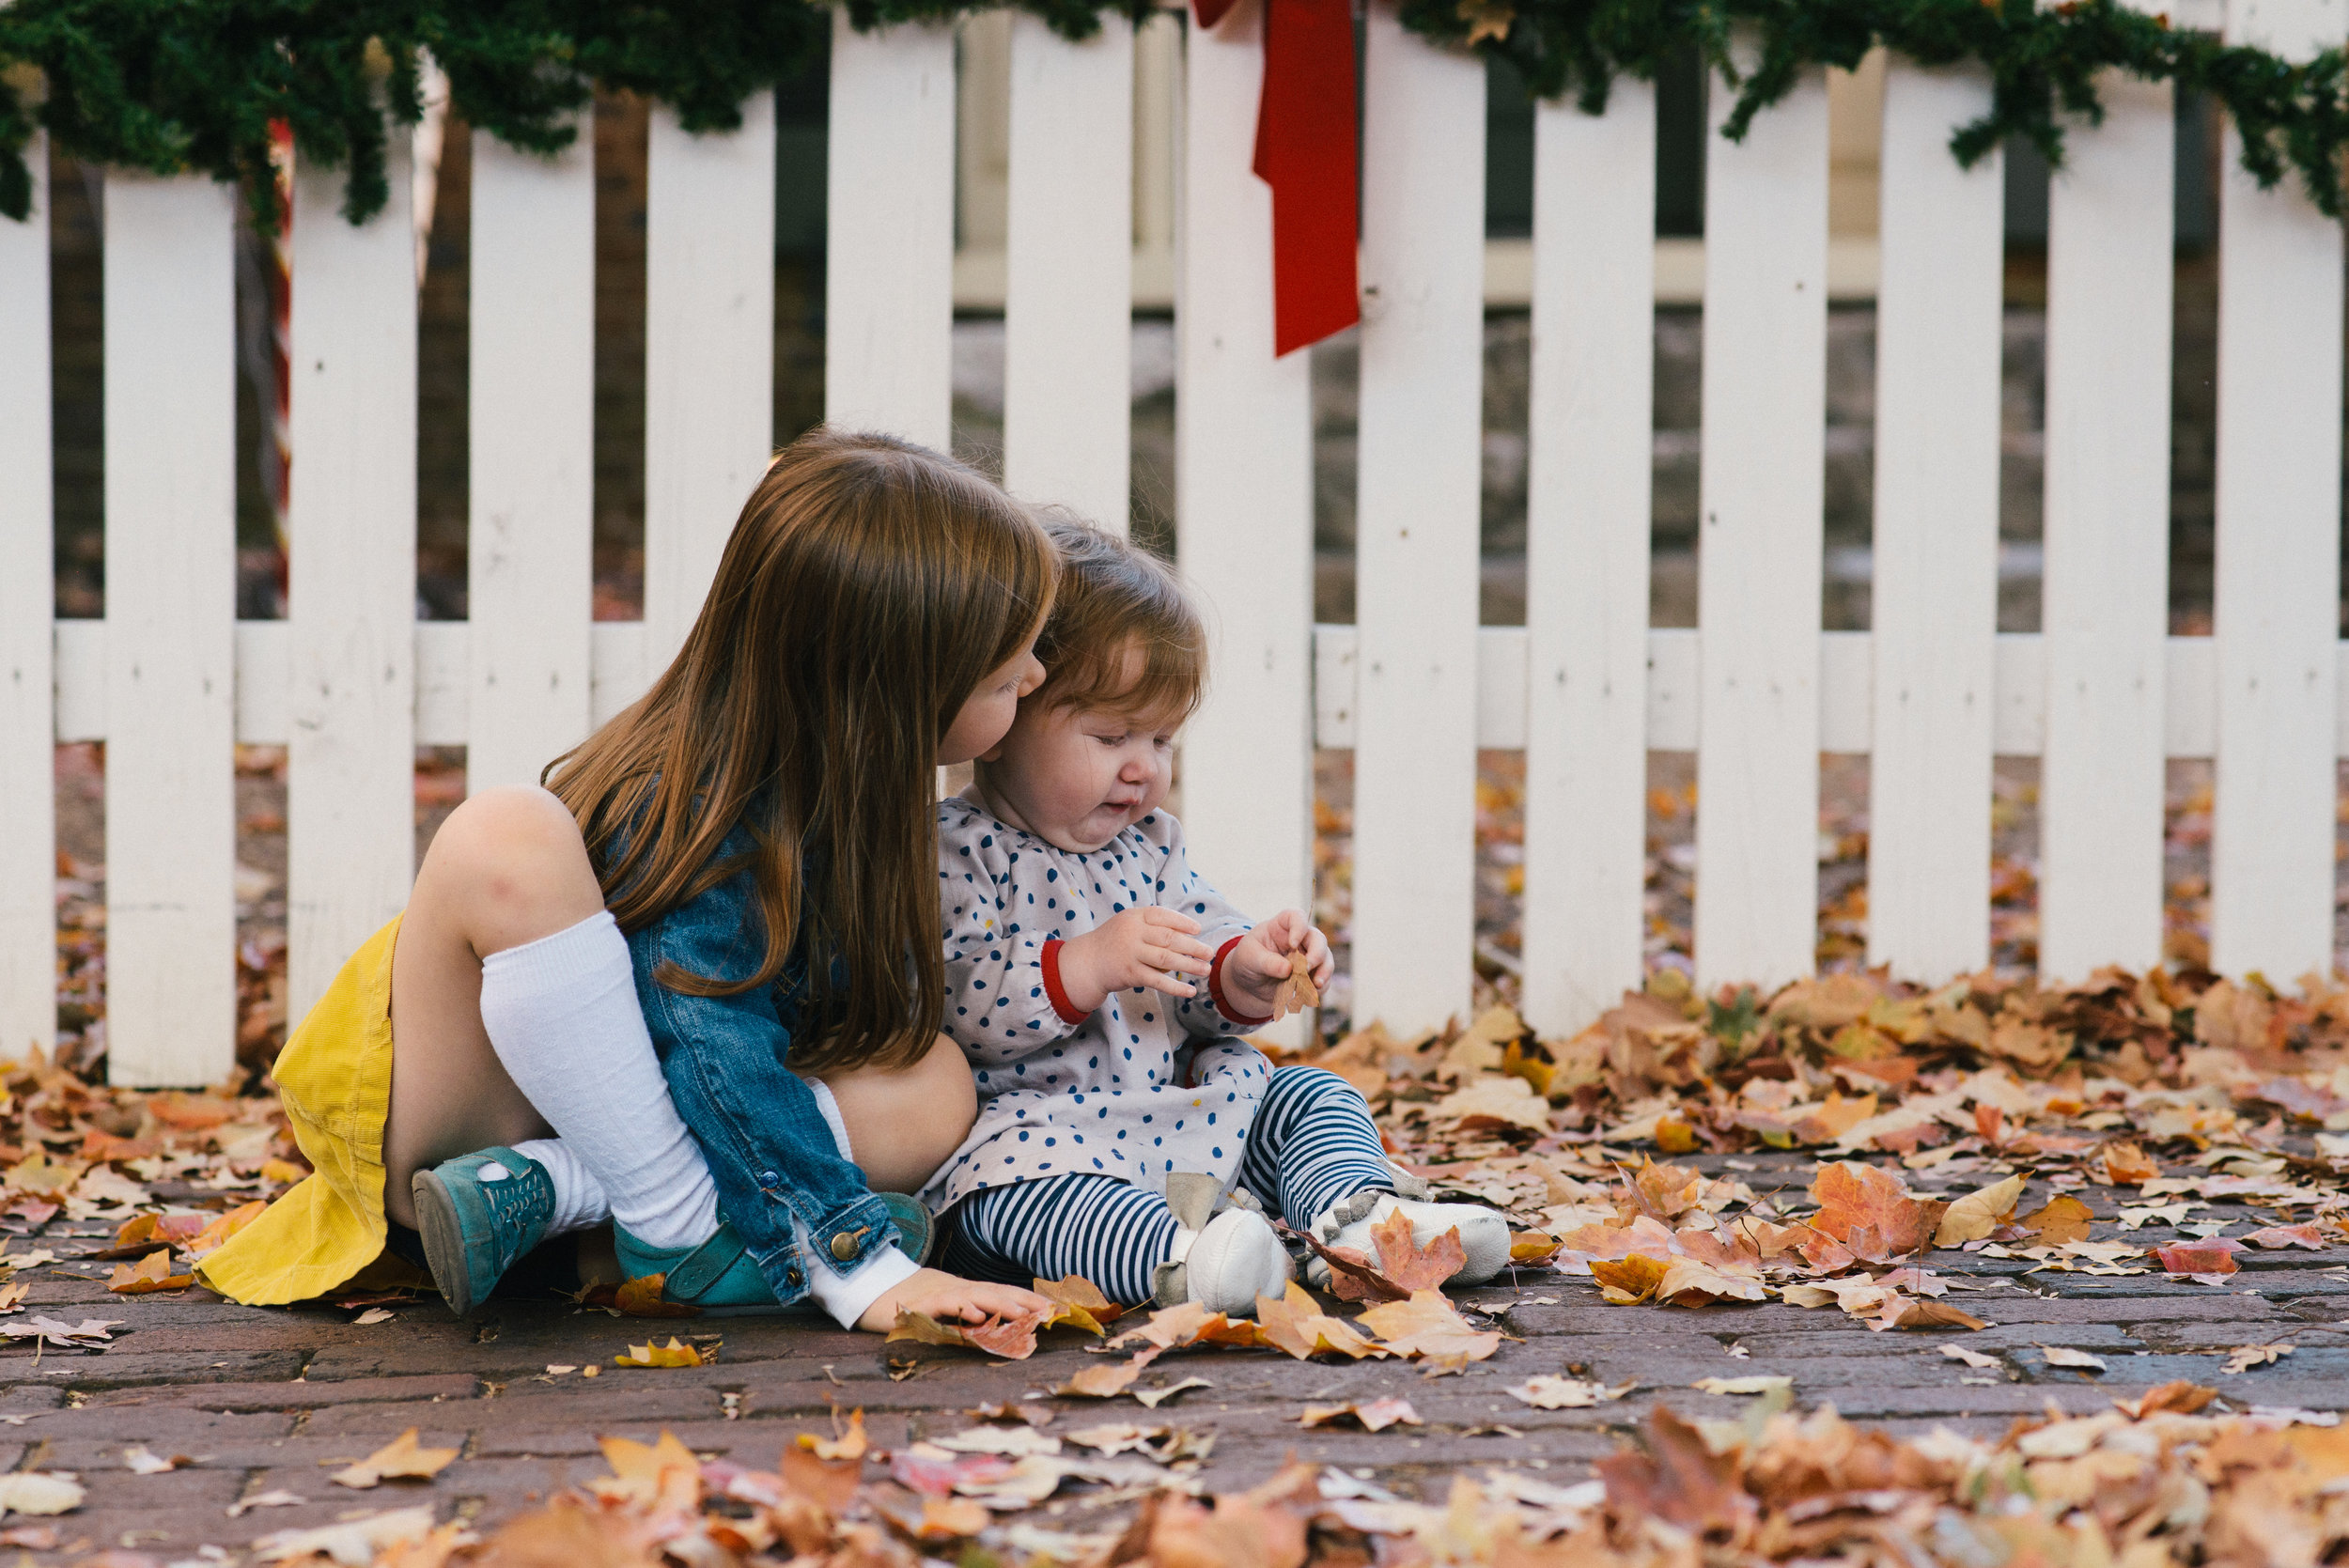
x=949 y=1298
x=1149 y=947
x=1254 y=970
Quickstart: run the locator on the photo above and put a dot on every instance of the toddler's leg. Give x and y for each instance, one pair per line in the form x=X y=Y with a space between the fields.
x=1100 y=1229
x=1095 y=1227
x=1311 y=1144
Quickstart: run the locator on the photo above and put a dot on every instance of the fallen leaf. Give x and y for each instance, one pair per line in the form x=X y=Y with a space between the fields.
x=283 y=1172
x=2243 y=1358
x=652 y=1476
x=1550 y=1391
x=2274 y=1237
x=2182 y=1396
x=648 y=1297
x=1079 y=1292
x=1757 y=1384
x=373 y=1315
x=2060 y=1220
x=1109 y=1379
x=1374 y=1415
x=671 y=1354
x=2125 y=1165
x=398 y=1460
x=1900 y=1312
x=152 y=1273
x=213 y=1237
x=1411 y=1266
x=1153 y=1398
x=1976 y=1214
x=2063 y=1356
x=1428 y=1326
x=950 y=1519
x=1295 y=1323
x=353 y=1542
x=1495 y=1100
x=1867 y=1210
x=1532 y=1246
x=1187 y=1324
x=848 y=1443
x=2197 y=1258
x=1628 y=1282
x=138 y=1461
x=1971 y=1358
x=34 y=1491
x=276 y=1497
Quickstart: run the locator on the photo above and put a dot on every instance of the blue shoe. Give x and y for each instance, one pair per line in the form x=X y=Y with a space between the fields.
x=475 y=1229
x=718 y=1277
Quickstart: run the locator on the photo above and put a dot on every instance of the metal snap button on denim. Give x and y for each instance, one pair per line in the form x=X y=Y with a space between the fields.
x=767 y=1177
x=844 y=1244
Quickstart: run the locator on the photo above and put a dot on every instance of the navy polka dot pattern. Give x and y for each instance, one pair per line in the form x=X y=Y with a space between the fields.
x=1146 y=1085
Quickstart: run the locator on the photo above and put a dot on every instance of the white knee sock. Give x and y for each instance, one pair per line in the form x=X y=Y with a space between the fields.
x=562 y=1014
x=580 y=1201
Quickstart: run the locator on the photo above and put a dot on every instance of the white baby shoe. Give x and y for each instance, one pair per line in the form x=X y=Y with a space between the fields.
x=1221 y=1260
x=1484 y=1234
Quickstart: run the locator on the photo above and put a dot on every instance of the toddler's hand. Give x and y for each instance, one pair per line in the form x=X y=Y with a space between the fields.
x=1149 y=947
x=1254 y=970
x=949 y=1298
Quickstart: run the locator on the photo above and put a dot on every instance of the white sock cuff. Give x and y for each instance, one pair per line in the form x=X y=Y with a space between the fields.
x=576 y=953
x=827 y=1103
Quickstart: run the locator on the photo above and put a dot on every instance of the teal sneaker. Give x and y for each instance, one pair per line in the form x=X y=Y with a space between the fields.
x=718 y=1277
x=473 y=1229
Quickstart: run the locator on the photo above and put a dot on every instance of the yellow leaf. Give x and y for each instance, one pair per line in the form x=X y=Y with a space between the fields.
x=40 y=1174
x=1297 y=1324
x=648 y=1298
x=1427 y=1325
x=670 y=1355
x=149 y=1274
x=848 y=1445
x=658 y=1476
x=1629 y=1281
x=1976 y=1214
x=398 y=1460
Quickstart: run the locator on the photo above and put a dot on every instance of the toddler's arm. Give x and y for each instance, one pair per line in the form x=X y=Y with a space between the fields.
x=1000 y=974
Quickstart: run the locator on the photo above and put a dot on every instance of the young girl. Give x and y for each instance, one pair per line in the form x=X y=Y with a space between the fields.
x=760 y=827
x=1117 y=1102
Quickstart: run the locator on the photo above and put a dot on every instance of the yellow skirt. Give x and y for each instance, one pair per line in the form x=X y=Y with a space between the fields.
x=335 y=1079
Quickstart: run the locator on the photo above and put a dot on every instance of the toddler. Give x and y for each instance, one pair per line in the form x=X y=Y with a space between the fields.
x=1101 y=987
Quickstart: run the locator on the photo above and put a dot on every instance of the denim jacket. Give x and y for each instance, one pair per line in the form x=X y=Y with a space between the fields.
x=782 y=1182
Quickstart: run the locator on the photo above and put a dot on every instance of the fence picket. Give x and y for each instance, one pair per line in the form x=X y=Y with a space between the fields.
x=1420 y=483
x=1243 y=489
x=1587 y=523
x=2104 y=607
x=1068 y=270
x=709 y=355
x=1934 y=604
x=531 y=561
x=889 y=275
x=350 y=611
x=28 y=867
x=1761 y=501
x=171 y=602
x=2277 y=594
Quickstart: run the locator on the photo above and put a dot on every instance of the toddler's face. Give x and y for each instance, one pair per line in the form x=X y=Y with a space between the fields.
x=1076 y=777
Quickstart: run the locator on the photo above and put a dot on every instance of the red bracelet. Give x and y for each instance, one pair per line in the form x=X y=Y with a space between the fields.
x=1215 y=988
x=1061 y=1004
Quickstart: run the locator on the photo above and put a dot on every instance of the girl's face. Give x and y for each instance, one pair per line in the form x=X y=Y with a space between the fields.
x=987 y=714
x=1076 y=777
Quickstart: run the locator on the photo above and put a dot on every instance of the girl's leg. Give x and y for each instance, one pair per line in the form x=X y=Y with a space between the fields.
x=512 y=996
x=1313 y=1144
x=904 y=1123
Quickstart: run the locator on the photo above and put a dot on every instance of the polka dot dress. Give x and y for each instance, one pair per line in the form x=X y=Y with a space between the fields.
x=1146 y=1085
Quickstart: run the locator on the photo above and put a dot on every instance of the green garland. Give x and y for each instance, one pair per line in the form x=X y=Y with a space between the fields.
x=170 y=85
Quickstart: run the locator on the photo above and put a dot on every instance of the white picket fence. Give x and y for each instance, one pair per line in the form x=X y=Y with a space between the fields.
x=350 y=683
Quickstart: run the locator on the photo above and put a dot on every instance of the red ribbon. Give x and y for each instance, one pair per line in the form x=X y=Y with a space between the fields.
x=1305 y=151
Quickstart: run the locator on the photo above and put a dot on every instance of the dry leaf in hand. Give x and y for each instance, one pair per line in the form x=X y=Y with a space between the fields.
x=1109 y=1379
x=673 y=1354
x=1296 y=993
x=398 y=1460
x=2060 y=1220
x=1976 y=1214
x=648 y=1298
x=149 y=1274
x=1374 y=1415
x=1412 y=1267
x=1550 y=1391
x=2243 y=1358
x=2063 y=1356
x=1427 y=1326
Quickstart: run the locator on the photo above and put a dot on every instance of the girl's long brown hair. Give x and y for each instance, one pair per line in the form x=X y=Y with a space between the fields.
x=868 y=588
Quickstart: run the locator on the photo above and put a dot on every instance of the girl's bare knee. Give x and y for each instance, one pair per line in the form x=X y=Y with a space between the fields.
x=510 y=867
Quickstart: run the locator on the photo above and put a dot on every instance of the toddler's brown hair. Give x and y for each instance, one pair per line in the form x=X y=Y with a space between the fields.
x=1114 y=601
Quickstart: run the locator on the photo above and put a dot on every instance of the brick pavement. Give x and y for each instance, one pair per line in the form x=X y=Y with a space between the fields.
x=264 y=1400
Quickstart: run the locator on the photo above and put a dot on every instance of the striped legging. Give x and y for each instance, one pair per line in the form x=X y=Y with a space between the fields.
x=1313 y=1144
